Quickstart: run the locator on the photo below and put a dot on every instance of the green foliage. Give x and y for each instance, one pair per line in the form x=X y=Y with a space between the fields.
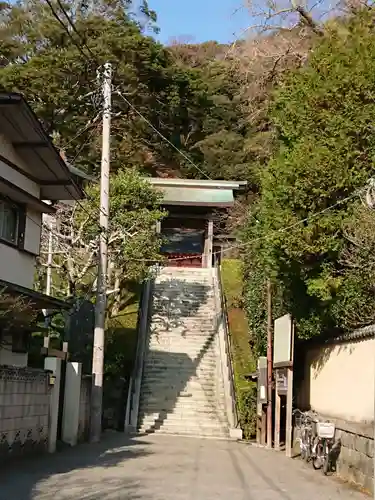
x=121 y=339
x=323 y=114
x=133 y=213
x=242 y=356
x=189 y=104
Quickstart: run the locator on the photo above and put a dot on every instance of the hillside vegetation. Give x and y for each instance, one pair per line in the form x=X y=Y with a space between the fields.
x=290 y=111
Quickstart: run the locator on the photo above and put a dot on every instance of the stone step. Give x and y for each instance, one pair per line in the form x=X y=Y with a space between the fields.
x=185 y=284
x=178 y=378
x=159 y=392
x=209 y=338
x=189 y=359
x=183 y=424
x=189 y=411
x=182 y=322
x=171 y=354
x=170 y=357
x=182 y=418
x=171 y=421
x=199 y=398
x=184 y=330
x=157 y=385
x=182 y=407
x=187 y=362
x=175 y=382
x=179 y=353
x=184 y=347
x=196 y=276
x=196 y=346
x=160 y=318
x=187 y=366
x=191 y=431
x=200 y=373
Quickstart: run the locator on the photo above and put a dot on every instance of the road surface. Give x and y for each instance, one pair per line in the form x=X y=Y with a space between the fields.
x=168 y=468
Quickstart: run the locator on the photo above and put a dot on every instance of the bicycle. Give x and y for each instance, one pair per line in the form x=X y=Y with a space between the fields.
x=305 y=422
x=322 y=447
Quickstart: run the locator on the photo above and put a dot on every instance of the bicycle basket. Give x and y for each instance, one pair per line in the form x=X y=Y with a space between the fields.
x=325 y=430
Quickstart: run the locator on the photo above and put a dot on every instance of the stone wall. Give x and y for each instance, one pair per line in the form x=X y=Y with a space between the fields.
x=356 y=459
x=84 y=409
x=24 y=411
x=355 y=462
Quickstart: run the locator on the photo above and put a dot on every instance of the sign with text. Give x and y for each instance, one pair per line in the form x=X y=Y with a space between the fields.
x=282 y=381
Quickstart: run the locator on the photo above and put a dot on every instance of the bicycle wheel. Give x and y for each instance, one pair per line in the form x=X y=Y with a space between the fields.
x=326 y=465
x=318 y=458
x=308 y=449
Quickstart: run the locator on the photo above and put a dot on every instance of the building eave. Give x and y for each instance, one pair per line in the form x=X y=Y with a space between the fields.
x=19 y=123
x=34 y=299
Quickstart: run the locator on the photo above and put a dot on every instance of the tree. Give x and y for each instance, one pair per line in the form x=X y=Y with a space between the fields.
x=188 y=103
x=133 y=244
x=323 y=114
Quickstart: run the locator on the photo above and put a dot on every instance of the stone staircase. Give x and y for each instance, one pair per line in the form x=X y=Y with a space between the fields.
x=182 y=388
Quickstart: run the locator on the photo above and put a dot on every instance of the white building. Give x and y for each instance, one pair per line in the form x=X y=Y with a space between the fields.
x=31 y=170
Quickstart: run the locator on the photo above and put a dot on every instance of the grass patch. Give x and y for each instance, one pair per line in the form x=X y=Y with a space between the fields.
x=242 y=357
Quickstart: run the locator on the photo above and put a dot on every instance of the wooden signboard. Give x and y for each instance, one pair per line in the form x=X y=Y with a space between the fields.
x=283 y=364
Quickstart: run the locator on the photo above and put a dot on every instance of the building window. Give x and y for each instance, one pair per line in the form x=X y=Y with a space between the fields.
x=9 y=220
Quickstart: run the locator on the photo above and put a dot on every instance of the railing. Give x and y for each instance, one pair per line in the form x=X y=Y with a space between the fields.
x=135 y=381
x=228 y=347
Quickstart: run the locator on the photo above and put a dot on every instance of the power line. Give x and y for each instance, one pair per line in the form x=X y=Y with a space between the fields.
x=64 y=27
x=274 y=232
x=161 y=135
x=89 y=124
x=71 y=23
x=292 y=226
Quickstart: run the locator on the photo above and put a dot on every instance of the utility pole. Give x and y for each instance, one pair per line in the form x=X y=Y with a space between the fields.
x=101 y=297
x=49 y=260
x=269 y=364
x=49 y=271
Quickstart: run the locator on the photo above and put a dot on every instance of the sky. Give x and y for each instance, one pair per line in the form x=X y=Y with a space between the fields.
x=201 y=20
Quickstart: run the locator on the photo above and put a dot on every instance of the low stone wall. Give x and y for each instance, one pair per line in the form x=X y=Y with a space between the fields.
x=356 y=459
x=24 y=411
x=84 y=409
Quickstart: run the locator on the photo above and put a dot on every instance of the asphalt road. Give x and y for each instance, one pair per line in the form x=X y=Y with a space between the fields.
x=168 y=468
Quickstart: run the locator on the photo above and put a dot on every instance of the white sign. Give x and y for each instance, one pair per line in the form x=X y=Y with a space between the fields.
x=282 y=344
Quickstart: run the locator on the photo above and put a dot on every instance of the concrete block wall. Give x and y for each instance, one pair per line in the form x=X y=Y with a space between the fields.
x=84 y=409
x=24 y=411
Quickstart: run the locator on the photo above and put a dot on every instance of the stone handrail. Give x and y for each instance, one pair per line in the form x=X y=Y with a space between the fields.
x=226 y=358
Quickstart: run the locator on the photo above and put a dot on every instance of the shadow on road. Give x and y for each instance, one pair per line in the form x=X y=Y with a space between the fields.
x=82 y=472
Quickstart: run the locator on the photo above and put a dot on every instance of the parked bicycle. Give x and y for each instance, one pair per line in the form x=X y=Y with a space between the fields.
x=305 y=421
x=323 y=446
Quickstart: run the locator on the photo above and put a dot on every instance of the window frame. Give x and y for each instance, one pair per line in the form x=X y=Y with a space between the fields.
x=20 y=228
